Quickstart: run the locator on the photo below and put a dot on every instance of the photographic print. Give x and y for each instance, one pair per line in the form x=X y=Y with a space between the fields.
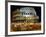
x=25 y=18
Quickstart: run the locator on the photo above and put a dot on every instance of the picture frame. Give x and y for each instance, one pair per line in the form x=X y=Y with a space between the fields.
x=10 y=4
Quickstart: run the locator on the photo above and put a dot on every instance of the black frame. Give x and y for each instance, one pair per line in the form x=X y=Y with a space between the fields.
x=6 y=18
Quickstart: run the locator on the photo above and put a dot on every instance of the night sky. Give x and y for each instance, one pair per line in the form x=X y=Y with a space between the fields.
x=37 y=9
